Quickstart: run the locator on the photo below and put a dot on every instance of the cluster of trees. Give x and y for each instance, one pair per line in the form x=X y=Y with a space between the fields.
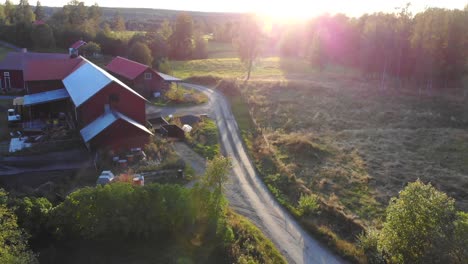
x=429 y=47
x=23 y=25
x=117 y=212
x=13 y=240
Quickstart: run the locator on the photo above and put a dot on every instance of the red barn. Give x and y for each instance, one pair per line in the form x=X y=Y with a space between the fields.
x=108 y=113
x=13 y=68
x=140 y=77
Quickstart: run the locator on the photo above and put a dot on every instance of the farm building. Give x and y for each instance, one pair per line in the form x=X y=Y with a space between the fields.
x=106 y=111
x=74 y=49
x=140 y=77
x=18 y=69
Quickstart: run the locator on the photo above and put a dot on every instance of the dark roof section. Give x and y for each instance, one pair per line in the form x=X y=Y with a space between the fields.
x=189 y=119
x=19 y=60
x=126 y=68
x=43 y=70
x=173 y=131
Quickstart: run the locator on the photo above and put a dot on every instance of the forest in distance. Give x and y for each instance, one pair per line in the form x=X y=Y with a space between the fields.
x=428 y=48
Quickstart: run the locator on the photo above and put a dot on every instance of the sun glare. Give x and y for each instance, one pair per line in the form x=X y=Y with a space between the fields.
x=286 y=10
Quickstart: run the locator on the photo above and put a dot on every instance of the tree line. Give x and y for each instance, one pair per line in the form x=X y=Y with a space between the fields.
x=429 y=48
x=29 y=27
x=117 y=212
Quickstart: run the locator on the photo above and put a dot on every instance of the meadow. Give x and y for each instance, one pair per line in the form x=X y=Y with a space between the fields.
x=333 y=133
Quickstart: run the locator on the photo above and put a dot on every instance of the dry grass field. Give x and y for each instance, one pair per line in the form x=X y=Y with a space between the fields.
x=356 y=146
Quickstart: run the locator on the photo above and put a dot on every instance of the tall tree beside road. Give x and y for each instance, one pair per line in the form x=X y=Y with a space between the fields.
x=181 y=41
x=24 y=13
x=39 y=11
x=248 y=41
x=216 y=176
x=2 y=15
x=9 y=10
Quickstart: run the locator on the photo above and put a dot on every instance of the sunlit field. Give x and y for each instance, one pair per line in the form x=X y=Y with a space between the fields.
x=268 y=69
x=356 y=146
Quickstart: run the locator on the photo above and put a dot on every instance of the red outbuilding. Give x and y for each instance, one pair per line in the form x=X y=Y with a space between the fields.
x=17 y=67
x=104 y=105
x=140 y=77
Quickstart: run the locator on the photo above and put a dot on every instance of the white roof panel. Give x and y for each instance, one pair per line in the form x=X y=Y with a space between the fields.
x=97 y=126
x=169 y=78
x=44 y=97
x=85 y=82
x=89 y=79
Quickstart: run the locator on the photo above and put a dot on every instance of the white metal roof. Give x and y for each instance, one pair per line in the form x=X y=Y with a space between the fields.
x=169 y=78
x=44 y=97
x=99 y=124
x=89 y=79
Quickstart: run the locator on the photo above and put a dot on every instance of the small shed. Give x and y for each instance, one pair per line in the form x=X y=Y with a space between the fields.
x=173 y=131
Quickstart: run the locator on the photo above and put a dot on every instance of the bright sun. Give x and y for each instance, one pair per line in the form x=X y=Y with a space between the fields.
x=287 y=10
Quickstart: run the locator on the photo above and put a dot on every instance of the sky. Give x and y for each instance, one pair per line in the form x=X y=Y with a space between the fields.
x=283 y=8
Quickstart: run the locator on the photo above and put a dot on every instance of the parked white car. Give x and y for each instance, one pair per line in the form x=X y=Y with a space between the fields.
x=13 y=117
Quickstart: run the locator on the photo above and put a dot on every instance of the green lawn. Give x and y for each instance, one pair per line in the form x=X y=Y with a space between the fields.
x=125 y=35
x=180 y=96
x=220 y=50
x=271 y=68
x=204 y=138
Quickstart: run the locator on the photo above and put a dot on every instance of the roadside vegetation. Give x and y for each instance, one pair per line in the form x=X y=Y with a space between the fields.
x=204 y=138
x=166 y=223
x=179 y=95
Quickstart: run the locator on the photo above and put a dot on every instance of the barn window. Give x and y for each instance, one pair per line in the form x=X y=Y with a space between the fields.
x=148 y=76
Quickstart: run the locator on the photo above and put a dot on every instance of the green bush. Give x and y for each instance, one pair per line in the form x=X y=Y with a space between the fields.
x=419 y=226
x=308 y=204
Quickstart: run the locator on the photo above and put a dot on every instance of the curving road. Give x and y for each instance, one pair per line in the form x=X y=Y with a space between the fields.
x=246 y=192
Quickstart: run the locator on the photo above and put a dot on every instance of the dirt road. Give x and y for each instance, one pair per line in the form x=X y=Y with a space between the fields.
x=249 y=196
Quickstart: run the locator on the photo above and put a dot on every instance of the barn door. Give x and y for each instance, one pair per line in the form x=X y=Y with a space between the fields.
x=6 y=80
x=7 y=83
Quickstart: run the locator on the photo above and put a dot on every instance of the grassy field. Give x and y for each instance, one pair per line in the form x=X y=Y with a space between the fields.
x=220 y=50
x=272 y=68
x=334 y=134
x=125 y=35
